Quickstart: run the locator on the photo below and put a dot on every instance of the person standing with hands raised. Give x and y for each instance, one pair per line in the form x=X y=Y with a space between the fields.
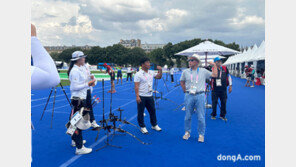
x=193 y=82
x=219 y=89
x=143 y=89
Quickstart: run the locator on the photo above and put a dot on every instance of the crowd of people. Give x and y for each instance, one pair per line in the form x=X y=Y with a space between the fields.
x=193 y=81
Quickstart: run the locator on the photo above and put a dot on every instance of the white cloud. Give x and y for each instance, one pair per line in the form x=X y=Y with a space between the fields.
x=104 y=22
x=83 y=25
x=242 y=20
x=119 y=10
x=173 y=14
x=52 y=17
x=172 y=18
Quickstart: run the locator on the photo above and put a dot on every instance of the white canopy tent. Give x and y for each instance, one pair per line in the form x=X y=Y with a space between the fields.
x=250 y=56
x=207 y=49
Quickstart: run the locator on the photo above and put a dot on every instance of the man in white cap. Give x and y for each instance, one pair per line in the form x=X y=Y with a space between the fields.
x=193 y=84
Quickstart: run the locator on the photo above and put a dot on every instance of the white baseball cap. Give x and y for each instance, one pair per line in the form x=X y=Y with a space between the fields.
x=197 y=57
x=77 y=55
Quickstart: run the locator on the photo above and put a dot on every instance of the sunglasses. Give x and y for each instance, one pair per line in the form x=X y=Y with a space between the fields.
x=191 y=60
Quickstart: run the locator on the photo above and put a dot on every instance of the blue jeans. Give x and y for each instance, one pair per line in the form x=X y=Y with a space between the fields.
x=195 y=101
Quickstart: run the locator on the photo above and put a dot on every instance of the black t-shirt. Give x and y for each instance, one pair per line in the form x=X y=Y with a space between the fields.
x=223 y=78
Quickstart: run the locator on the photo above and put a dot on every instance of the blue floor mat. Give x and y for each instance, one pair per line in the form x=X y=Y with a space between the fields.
x=243 y=134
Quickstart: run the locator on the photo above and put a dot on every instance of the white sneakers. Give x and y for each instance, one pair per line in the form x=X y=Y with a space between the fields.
x=145 y=131
x=201 y=138
x=186 y=136
x=156 y=127
x=94 y=124
x=83 y=150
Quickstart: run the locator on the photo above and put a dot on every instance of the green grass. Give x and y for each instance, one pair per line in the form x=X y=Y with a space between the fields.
x=65 y=80
x=97 y=75
x=93 y=72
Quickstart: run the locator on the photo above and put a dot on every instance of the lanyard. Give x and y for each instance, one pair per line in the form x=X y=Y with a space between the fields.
x=220 y=72
x=144 y=74
x=191 y=76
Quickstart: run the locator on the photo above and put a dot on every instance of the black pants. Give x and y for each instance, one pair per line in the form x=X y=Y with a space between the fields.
x=89 y=106
x=222 y=95
x=77 y=136
x=172 y=78
x=129 y=75
x=146 y=102
x=112 y=76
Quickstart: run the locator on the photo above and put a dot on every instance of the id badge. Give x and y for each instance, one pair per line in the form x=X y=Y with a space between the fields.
x=150 y=88
x=75 y=118
x=192 y=90
x=218 y=82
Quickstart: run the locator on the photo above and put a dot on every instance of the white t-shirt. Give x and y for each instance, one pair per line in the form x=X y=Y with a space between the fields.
x=172 y=71
x=129 y=70
x=87 y=72
x=78 y=82
x=146 y=82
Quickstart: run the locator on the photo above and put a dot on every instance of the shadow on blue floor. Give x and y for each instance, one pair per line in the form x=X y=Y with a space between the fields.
x=243 y=134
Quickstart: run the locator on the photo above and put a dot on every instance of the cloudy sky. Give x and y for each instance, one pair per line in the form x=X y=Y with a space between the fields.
x=105 y=22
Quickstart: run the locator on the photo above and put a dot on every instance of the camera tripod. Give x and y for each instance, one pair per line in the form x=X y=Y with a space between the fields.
x=160 y=97
x=54 y=89
x=112 y=126
x=176 y=81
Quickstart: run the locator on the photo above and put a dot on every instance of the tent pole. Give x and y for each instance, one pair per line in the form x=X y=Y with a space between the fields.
x=206 y=58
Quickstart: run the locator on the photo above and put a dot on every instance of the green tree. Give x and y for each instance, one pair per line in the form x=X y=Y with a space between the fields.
x=157 y=57
x=55 y=56
x=134 y=55
x=95 y=55
x=66 y=55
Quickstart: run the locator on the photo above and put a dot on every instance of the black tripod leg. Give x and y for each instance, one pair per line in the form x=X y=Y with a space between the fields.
x=32 y=126
x=46 y=103
x=55 y=92
x=170 y=100
x=179 y=106
x=65 y=94
x=124 y=131
x=165 y=85
x=98 y=134
x=108 y=144
x=129 y=123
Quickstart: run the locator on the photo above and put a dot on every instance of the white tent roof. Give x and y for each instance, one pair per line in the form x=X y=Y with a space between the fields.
x=208 y=60
x=210 y=57
x=260 y=55
x=208 y=48
x=248 y=56
x=253 y=54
